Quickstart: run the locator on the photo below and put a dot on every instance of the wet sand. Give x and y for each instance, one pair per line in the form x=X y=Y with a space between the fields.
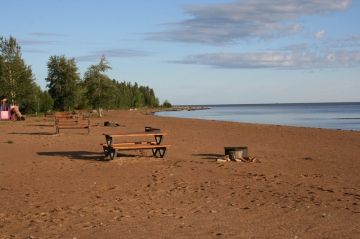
x=306 y=185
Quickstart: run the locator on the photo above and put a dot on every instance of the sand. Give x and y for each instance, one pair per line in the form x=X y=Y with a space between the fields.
x=306 y=185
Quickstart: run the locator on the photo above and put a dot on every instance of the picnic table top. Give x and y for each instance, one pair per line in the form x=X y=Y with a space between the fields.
x=135 y=134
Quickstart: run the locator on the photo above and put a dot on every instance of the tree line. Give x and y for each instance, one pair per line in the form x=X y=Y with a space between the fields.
x=66 y=89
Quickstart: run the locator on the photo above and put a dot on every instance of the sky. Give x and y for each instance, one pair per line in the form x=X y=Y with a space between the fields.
x=200 y=51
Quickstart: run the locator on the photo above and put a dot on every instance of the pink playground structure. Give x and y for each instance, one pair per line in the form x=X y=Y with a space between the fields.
x=9 y=113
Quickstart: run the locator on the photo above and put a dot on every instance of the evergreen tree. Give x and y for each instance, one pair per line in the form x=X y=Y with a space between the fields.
x=167 y=104
x=63 y=82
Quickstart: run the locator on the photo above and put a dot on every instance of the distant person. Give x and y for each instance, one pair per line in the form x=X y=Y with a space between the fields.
x=15 y=113
x=3 y=106
x=4 y=109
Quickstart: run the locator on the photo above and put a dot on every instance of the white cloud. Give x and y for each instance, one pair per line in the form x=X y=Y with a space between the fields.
x=276 y=60
x=350 y=42
x=320 y=34
x=230 y=22
x=33 y=50
x=111 y=53
x=27 y=42
x=47 y=34
x=329 y=53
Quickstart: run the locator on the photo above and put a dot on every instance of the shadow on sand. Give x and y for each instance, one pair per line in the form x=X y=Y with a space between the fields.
x=77 y=155
x=40 y=125
x=34 y=133
x=86 y=155
x=209 y=156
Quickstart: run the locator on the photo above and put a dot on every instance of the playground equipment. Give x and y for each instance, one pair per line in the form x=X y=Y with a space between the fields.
x=12 y=113
x=4 y=110
x=5 y=115
x=9 y=113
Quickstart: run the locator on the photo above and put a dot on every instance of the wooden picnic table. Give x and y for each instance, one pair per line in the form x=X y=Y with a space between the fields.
x=158 y=136
x=75 y=122
x=138 y=141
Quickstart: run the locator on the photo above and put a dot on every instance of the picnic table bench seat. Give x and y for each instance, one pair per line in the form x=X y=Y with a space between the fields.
x=62 y=115
x=158 y=150
x=72 y=123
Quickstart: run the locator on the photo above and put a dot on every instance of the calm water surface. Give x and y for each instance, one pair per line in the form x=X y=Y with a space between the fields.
x=344 y=116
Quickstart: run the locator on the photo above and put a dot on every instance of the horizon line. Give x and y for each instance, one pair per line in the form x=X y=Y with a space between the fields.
x=277 y=103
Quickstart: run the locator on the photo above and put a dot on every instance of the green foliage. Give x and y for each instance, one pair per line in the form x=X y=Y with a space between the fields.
x=46 y=103
x=98 y=87
x=166 y=104
x=101 y=92
x=82 y=100
x=132 y=96
x=66 y=91
x=16 y=78
x=63 y=80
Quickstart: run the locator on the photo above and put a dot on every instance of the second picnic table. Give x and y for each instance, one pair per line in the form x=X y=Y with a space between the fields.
x=158 y=149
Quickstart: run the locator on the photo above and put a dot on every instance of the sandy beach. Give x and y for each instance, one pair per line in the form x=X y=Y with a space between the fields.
x=305 y=185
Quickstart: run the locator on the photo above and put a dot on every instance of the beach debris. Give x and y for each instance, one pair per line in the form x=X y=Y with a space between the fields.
x=255 y=160
x=224 y=159
x=307 y=158
x=111 y=124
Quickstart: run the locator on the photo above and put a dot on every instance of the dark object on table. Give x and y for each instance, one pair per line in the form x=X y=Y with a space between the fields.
x=151 y=129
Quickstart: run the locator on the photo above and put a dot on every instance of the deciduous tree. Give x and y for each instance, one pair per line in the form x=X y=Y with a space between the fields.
x=99 y=88
x=63 y=82
x=16 y=78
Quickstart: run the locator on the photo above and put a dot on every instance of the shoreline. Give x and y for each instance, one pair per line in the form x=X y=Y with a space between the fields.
x=179 y=108
x=325 y=117
x=286 y=103
x=263 y=124
x=303 y=175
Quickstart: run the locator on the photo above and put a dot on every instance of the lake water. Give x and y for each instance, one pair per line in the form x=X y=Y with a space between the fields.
x=344 y=116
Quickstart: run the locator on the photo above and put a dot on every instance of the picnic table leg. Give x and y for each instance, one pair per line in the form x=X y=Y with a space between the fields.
x=56 y=126
x=113 y=153
x=154 y=152
x=159 y=152
x=106 y=151
x=109 y=152
x=108 y=140
x=162 y=152
x=88 y=122
x=158 y=139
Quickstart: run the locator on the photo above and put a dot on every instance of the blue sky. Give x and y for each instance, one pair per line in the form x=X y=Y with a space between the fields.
x=201 y=51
